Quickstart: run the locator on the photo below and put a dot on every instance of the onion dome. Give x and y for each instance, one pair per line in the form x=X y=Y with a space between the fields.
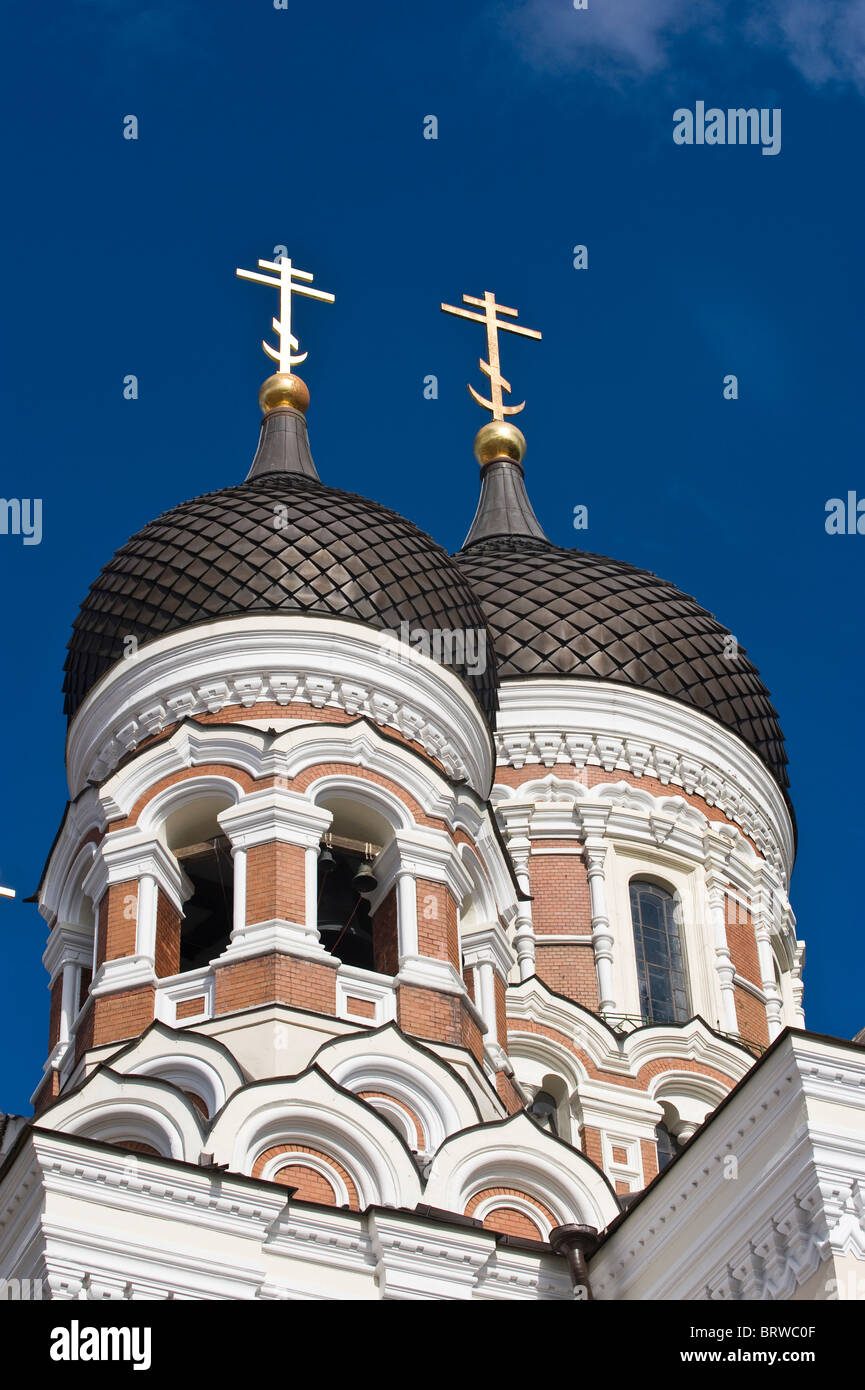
x=558 y=612
x=281 y=542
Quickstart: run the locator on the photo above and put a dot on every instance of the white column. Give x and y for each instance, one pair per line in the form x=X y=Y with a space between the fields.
x=485 y=994
x=406 y=908
x=238 y=857
x=310 y=889
x=774 y=1002
x=145 y=929
x=723 y=962
x=797 y=986
x=68 y=999
x=602 y=937
x=519 y=847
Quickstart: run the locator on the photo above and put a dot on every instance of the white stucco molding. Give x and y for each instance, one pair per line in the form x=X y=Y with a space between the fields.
x=767 y=1193
x=388 y=1061
x=312 y=1110
x=517 y=1153
x=112 y=1107
x=279 y=659
x=190 y=1061
x=620 y=1053
x=612 y=726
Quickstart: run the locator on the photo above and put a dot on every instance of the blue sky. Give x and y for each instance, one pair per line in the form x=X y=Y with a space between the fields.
x=304 y=126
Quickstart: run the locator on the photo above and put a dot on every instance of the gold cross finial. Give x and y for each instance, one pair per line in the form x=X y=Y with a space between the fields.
x=285 y=279
x=492 y=368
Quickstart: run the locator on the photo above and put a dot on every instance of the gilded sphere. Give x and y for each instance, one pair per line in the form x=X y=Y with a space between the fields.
x=283 y=389
x=499 y=440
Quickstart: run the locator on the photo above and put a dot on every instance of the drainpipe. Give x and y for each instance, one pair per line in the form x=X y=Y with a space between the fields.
x=575 y=1242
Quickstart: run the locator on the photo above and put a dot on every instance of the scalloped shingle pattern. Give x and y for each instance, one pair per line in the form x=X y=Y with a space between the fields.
x=557 y=612
x=279 y=543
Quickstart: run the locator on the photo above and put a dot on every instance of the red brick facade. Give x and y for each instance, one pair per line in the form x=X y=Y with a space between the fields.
x=275 y=979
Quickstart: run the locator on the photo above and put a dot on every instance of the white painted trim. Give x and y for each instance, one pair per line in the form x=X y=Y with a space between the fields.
x=278 y=658
x=612 y=726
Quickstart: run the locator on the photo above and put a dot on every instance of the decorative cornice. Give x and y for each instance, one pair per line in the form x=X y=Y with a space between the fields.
x=322 y=662
x=620 y=1053
x=603 y=724
x=126 y=855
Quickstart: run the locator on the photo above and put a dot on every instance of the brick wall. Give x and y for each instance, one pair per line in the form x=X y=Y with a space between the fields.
x=385 y=939
x=750 y=1012
x=275 y=979
x=501 y=1010
x=508 y=1094
x=560 y=889
x=437 y=930
x=189 y=1008
x=311 y=1184
x=649 y=1153
x=507 y=1219
x=54 y=1012
x=590 y=1143
x=750 y=1016
x=438 y=1017
x=118 y=915
x=86 y=977
x=275 y=883
x=569 y=970
x=122 y=1015
x=168 y=922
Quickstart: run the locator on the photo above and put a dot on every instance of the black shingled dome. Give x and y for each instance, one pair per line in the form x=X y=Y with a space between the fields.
x=557 y=612
x=222 y=556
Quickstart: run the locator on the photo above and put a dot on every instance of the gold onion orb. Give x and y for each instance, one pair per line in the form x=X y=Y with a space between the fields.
x=284 y=388
x=499 y=440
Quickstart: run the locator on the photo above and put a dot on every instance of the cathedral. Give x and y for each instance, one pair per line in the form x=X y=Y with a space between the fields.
x=418 y=924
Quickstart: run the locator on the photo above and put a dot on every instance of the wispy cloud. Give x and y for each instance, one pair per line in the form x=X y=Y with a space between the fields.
x=622 y=40
x=823 y=39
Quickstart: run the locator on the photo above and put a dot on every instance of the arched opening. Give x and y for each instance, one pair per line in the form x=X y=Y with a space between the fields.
x=543 y=1111
x=550 y=1107
x=656 y=921
x=668 y=1146
x=344 y=918
x=346 y=883
x=195 y=838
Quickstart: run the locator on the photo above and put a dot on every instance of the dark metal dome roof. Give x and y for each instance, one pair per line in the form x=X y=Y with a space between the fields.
x=235 y=552
x=557 y=612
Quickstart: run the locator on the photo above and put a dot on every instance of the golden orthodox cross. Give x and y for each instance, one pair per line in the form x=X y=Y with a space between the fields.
x=492 y=368
x=286 y=280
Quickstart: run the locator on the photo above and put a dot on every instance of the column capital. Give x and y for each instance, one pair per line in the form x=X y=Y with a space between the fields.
x=67 y=945
x=127 y=855
x=275 y=814
x=420 y=853
x=593 y=817
x=488 y=943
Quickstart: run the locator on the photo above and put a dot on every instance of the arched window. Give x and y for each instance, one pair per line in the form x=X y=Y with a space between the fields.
x=658 y=945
